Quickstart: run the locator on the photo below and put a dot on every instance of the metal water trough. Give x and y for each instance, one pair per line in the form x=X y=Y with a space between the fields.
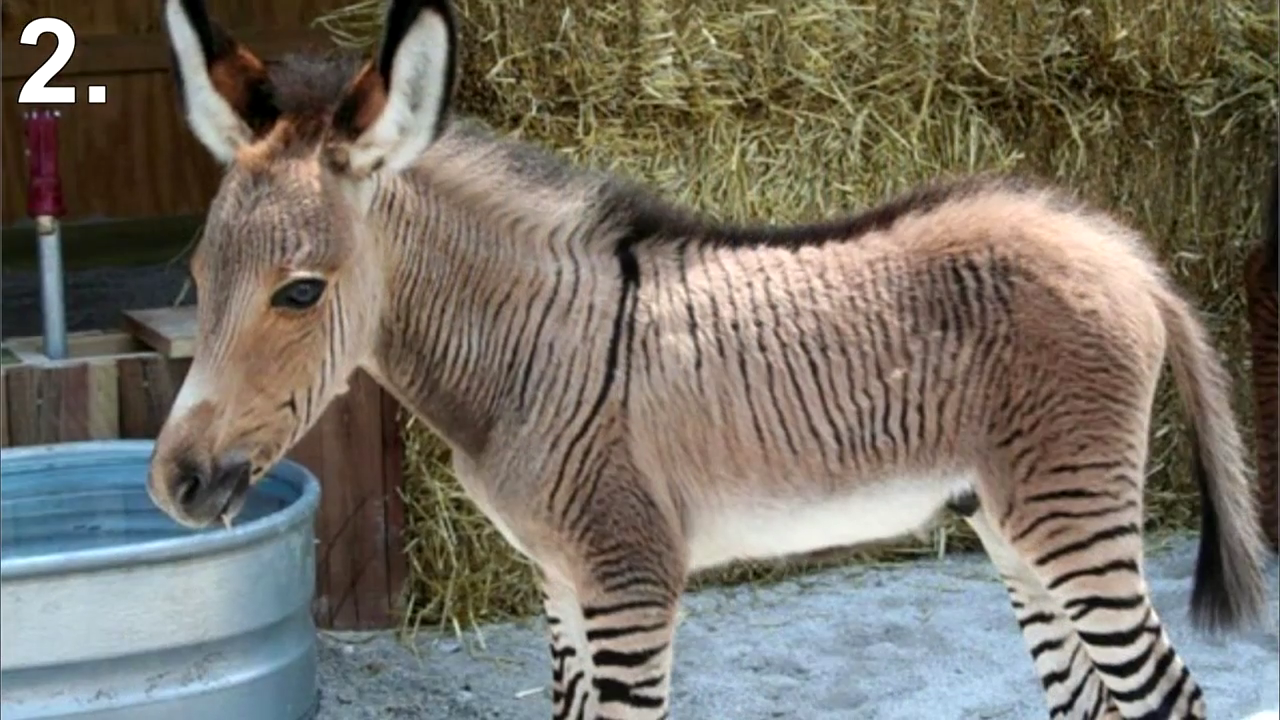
x=111 y=611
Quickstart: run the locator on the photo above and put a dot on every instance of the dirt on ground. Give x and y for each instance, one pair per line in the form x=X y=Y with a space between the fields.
x=930 y=640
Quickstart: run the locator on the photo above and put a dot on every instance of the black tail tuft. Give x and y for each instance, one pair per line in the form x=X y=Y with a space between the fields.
x=1217 y=601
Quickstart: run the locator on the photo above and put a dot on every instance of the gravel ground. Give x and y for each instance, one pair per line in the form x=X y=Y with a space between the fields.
x=932 y=640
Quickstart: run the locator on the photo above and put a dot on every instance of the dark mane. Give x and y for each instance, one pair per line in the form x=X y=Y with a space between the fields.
x=532 y=163
x=652 y=219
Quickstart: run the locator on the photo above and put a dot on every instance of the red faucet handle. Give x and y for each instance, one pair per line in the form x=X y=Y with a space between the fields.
x=44 y=190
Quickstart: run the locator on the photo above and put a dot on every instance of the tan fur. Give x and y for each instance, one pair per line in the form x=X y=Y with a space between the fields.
x=633 y=393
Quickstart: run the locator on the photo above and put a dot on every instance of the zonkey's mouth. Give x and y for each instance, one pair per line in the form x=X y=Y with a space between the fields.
x=235 y=499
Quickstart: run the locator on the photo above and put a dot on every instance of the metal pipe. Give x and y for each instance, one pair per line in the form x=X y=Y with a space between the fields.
x=44 y=204
x=52 y=305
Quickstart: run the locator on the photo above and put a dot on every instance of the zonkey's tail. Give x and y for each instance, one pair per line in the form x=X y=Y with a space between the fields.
x=1229 y=589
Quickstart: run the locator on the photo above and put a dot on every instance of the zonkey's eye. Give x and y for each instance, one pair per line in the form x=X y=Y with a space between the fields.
x=298 y=294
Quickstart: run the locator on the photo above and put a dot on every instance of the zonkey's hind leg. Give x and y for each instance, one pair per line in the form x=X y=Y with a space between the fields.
x=1072 y=687
x=626 y=572
x=1078 y=526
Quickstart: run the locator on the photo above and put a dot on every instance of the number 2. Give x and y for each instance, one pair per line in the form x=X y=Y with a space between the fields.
x=36 y=89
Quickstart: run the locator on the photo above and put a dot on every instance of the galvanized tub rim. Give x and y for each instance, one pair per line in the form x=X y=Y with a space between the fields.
x=301 y=509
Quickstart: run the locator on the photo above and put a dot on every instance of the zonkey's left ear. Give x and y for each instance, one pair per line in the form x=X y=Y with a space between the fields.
x=394 y=109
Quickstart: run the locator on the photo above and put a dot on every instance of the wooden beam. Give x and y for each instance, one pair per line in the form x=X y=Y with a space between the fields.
x=80 y=345
x=170 y=331
x=4 y=411
x=393 y=472
x=119 y=54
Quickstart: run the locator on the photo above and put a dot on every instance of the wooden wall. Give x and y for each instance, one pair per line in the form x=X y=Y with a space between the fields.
x=132 y=156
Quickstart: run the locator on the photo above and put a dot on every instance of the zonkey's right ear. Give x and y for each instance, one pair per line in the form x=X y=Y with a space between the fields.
x=225 y=93
x=394 y=109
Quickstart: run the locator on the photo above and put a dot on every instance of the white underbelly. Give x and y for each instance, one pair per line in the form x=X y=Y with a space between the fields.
x=759 y=528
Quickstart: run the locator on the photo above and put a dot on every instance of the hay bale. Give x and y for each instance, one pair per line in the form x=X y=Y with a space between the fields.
x=1163 y=112
x=461 y=570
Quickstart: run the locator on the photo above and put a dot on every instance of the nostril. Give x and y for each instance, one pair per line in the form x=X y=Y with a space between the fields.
x=189 y=481
x=187 y=489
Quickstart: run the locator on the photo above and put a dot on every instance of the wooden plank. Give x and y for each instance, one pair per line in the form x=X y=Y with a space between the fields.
x=362 y=424
x=345 y=450
x=23 y=402
x=80 y=345
x=148 y=385
x=339 y=548
x=65 y=398
x=47 y=404
x=170 y=331
x=95 y=398
x=62 y=401
x=310 y=453
x=118 y=54
x=102 y=406
x=4 y=409
x=178 y=369
x=133 y=17
x=393 y=511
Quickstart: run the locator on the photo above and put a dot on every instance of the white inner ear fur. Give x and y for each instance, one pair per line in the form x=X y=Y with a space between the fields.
x=212 y=119
x=408 y=121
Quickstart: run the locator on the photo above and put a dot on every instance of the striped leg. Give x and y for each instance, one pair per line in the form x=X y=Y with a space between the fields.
x=629 y=585
x=1086 y=548
x=1072 y=687
x=630 y=639
x=570 y=665
x=611 y=656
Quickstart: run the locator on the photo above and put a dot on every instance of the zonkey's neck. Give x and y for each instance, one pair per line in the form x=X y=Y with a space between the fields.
x=484 y=295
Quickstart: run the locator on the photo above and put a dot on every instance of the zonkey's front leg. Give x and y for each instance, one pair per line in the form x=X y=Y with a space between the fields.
x=613 y=625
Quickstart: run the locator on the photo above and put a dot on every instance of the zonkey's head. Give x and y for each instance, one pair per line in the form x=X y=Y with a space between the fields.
x=290 y=284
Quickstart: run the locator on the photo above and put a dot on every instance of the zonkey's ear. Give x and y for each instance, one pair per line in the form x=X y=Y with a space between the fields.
x=223 y=87
x=394 y=109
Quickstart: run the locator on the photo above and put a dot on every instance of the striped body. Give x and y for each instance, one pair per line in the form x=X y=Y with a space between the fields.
x=727 y=400
x=839 y=377
x=633 y=392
